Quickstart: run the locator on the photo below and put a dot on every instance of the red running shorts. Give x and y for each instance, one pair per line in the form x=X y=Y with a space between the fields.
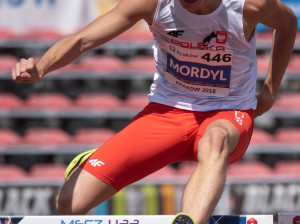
x=160 y=135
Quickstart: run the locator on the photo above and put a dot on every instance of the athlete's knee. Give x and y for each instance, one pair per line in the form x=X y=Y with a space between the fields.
x=67 y=201
x=220 y=137
x=82 y=192
x=65 y=205
x=214 y=143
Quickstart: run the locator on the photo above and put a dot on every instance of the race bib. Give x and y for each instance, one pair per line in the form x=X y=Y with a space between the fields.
x=199 y=71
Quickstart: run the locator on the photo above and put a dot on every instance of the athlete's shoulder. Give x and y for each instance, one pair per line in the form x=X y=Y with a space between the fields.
x=142 y=8
x=139 y=4
x=259 y=4
x=258 y=9
x=266 y=10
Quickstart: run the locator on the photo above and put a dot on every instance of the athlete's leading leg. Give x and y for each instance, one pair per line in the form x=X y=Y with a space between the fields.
x=81 y=192
x=152 y=140
x=206 y=184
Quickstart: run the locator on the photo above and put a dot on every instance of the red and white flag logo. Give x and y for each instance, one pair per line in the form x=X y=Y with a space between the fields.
x=221 y=37
x=252 y=221
x=296 y=219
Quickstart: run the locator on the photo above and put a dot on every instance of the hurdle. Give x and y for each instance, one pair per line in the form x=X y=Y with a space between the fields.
x=130 y=219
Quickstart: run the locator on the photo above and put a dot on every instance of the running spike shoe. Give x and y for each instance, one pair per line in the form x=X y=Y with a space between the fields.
x=182 y=218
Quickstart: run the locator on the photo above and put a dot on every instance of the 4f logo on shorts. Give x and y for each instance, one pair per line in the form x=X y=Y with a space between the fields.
x=239 y=116
x=96 y=162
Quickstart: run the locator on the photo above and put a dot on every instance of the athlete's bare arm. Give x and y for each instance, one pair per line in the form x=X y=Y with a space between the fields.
x=104 y=28
x=282 y=19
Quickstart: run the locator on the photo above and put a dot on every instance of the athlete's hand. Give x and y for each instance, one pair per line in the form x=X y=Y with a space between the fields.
x=265 y=101
x=25 y=71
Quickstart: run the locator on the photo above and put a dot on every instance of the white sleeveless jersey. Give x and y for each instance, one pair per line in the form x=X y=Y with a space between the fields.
x=204 y=62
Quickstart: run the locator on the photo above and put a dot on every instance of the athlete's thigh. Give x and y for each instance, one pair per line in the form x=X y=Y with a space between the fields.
x=151 y=141
x=239 y=126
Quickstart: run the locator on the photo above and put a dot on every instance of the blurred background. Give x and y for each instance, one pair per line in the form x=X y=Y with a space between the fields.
x=43 y=126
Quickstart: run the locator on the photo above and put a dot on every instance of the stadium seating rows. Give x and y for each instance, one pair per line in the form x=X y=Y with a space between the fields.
x=60 y=101
x=241 y=170
x=54 y=136
x=285 y=101
x=38 y=137
x=52 y=35
x=142 y=64
x=95 y=63
x=131 y=35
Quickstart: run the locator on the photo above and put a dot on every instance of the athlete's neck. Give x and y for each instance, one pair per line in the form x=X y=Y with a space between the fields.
x=200 y=7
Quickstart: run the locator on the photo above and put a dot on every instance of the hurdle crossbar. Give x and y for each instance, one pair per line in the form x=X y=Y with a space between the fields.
x=129 y=219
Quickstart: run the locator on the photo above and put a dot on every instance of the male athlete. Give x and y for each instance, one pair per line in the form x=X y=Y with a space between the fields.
x=202 y=100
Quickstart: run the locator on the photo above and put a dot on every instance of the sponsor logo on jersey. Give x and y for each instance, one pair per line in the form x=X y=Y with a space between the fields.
x=176 y=33
x=221 y=37
x=208 y=38
x=198 y=45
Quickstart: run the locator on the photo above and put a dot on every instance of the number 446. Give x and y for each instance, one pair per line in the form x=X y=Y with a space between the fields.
x=217 y=57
